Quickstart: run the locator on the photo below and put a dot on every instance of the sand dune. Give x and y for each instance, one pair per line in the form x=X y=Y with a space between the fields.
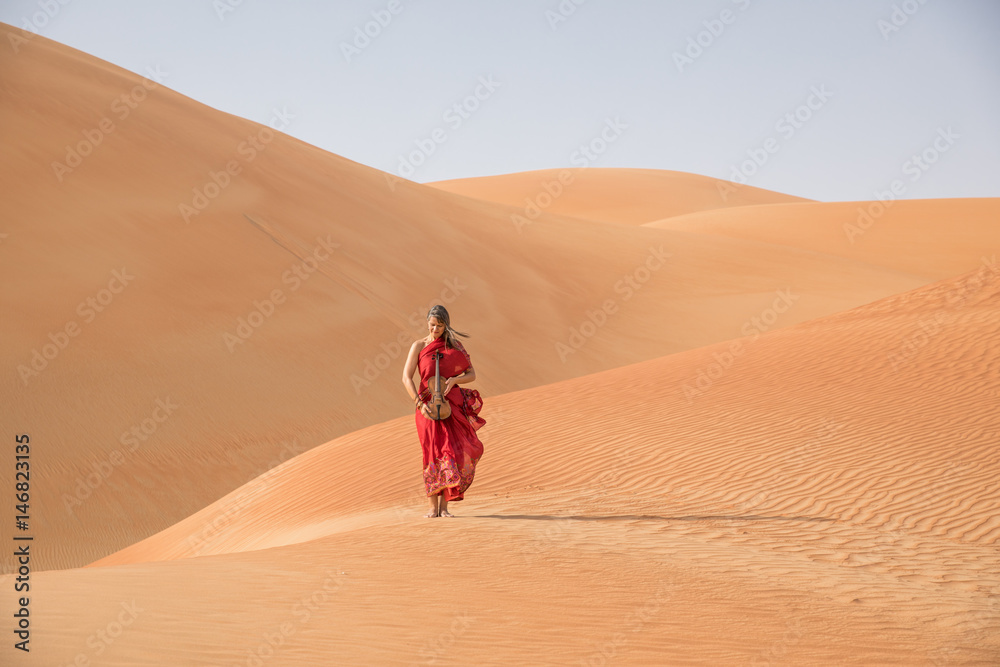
x=936 y=238
x=624 y=196
x=721 y=427
x=890 y=346
x=196 y=327
x=855 y=524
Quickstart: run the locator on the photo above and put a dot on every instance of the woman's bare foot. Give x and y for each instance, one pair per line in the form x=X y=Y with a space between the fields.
x=436 y=506
x=444 y=508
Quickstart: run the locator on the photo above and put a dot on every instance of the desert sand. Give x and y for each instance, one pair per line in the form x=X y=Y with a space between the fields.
x=626 y=196
x=724 y=425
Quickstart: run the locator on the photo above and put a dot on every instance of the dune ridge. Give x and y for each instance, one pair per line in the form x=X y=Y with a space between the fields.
x=928 y=237
x=622 y=196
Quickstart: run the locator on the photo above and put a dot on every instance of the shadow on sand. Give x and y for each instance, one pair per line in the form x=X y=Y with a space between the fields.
x=649 y=517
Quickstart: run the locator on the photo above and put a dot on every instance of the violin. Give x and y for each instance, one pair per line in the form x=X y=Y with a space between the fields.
x=437 y=407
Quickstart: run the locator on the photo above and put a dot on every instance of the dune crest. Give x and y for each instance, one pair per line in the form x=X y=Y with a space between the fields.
x=623 y=196
x=936 y=238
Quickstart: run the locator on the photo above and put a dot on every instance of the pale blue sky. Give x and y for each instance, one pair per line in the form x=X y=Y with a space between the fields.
x=879 y=94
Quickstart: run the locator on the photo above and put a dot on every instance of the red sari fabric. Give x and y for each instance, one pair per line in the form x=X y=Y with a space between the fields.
x=450 y=446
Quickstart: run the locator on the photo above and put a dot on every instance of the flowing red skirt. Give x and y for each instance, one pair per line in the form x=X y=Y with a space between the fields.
x=450 y=446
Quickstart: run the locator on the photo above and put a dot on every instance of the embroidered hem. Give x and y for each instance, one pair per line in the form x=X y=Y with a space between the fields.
x=445 y=475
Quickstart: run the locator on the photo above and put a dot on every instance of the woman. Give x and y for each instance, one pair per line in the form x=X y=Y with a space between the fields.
x=451 y=447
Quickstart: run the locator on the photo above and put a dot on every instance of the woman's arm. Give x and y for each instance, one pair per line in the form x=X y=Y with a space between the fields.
x=411 y=365
x=468 y=376
x=462 y=378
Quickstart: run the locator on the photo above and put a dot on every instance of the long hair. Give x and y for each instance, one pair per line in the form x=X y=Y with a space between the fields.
x=450 y=335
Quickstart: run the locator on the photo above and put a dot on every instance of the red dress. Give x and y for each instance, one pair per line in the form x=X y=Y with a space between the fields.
x=451 y=447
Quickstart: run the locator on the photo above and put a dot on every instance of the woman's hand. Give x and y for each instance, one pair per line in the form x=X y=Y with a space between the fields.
x=453 y=382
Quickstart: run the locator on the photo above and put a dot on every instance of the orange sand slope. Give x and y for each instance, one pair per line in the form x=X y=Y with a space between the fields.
x=194 y=298
x=825 y=493
x=934 y=238
x=629 y=196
